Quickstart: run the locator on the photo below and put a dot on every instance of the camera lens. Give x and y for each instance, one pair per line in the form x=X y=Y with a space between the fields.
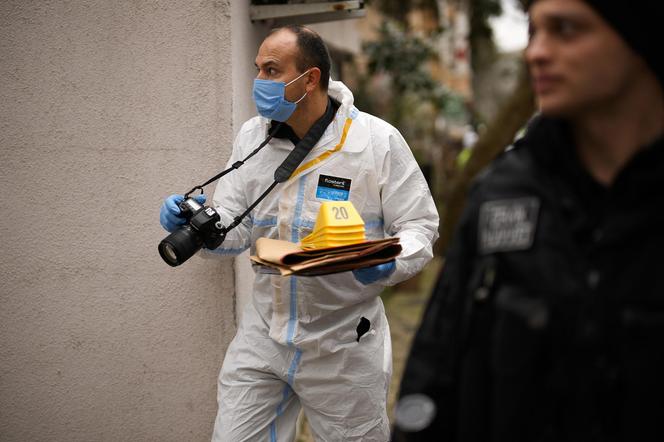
x=168 y=253
x=180 y=245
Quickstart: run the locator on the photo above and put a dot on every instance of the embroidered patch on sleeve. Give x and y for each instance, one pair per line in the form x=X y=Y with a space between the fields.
x=508 y=225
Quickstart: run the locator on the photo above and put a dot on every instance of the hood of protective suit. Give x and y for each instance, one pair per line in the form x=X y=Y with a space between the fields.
x=347 y=110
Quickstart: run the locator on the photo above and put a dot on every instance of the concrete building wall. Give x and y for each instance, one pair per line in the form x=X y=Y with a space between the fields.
x=343 y=35
x=246 y=38
x=108 y=107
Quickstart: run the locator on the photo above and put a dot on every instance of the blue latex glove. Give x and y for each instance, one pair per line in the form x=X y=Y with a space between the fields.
x=169 y=215
x=369 y=275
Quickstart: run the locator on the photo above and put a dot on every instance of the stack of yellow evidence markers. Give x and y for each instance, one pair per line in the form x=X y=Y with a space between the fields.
x=337 y=224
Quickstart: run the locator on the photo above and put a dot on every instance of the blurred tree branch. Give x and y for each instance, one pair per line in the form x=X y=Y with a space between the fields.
x=499 y=134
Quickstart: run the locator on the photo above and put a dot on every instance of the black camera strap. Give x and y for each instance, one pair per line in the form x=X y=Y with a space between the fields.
x=302 y=149
x=237 y=164
x=287 y=167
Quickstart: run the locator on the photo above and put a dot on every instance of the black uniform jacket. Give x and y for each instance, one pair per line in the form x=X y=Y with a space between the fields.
x=547 y=323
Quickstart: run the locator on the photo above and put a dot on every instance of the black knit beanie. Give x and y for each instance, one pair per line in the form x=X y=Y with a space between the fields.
x=640 y=23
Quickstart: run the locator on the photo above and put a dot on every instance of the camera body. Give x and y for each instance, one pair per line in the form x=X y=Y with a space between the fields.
x=205 y=220
x=202 y=228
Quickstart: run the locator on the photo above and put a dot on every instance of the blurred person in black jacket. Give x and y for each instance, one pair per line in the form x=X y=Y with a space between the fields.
x=547 y=323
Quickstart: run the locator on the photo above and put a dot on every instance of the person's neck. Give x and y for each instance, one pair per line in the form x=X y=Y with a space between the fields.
x=306 y=115
x=608 y=138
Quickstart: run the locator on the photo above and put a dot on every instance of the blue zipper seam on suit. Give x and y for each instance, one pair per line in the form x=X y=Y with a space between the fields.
x=289 y=382
x=373 y=224
x=295 y=228
x=293 y=312
x=297 y=224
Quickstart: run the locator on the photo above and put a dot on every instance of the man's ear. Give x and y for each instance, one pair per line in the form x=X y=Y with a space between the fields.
x=313 y=79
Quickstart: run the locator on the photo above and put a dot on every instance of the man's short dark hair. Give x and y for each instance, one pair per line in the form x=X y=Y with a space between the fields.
x=312 y=52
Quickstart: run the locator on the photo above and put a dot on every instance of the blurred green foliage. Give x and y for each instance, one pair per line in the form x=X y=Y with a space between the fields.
x=398 y=9
x=404 y=58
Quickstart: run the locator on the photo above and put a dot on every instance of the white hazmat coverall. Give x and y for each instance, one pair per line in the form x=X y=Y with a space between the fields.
x=297 y=344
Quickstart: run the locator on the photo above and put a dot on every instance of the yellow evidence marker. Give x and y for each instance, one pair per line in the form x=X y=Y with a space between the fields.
x=338 y=224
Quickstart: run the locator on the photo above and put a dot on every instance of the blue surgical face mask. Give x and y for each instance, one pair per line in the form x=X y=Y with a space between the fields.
x=270 y=99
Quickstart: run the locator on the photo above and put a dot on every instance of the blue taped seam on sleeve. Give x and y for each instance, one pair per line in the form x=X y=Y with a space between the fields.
x=265 y=222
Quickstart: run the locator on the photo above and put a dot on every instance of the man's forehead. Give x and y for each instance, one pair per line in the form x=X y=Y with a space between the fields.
x=559 y=8
x=279 y=48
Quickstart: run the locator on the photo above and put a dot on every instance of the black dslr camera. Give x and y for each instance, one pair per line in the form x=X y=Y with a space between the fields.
x=202 y=229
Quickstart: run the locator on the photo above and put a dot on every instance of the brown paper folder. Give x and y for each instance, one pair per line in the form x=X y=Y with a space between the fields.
x=290 y=259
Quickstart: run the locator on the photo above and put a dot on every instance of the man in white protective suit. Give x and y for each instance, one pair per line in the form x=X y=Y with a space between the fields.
x=317 y=343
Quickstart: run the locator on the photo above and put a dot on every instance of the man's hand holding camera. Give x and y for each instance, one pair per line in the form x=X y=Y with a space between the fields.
x=192 y=226
x=170 y=215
